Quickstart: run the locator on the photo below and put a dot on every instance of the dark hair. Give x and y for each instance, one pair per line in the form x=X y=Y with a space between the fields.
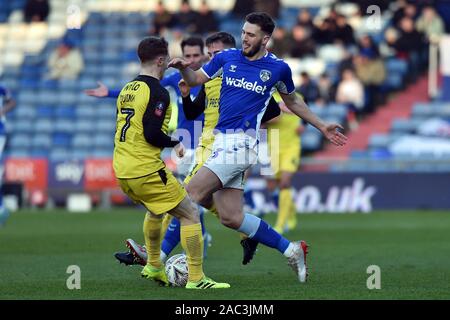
x=152 y=47
x=304 y=74
x=193 y=41
x=263 y=20
x=224 y=37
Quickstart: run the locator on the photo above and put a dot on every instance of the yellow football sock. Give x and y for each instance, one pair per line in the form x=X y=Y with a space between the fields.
x=213 y=210
x=152 y=235
x=284 y=205
x=192 y=243
x=292 y=220
x=165 y=224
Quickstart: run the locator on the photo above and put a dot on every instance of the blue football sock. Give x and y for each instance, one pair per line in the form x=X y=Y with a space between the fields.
x=259 y=230
x=172 y=237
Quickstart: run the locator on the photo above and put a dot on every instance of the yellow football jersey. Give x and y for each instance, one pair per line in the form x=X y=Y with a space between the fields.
x=140 y=101
x=286 y=125
x=212 y=92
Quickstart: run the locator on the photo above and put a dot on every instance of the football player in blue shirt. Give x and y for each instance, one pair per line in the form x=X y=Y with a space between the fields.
x=249 y=78
x=7 y=103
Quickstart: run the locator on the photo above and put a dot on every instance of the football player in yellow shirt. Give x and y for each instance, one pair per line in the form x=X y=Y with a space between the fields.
x=143 y=114
x=285 y=149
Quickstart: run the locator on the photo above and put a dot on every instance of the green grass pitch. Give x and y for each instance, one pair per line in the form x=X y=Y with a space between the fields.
x=411 y=248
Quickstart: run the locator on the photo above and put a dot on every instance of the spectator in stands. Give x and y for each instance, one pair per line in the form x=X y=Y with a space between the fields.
x=325 y=32
x=344 y=31
x=187 y=19
x=405 y=10
x=163 y=20
x=431 y=24
x=272 y=7
x=281 y=42
x=242 y=8
x=326 y=90
x=308 y=89
x=302 y=43
x=370 y=70
x=36 y=10
x=305 y=20
x=65 y=62
x=409 y=45
x=350 y=92
x=207 y=22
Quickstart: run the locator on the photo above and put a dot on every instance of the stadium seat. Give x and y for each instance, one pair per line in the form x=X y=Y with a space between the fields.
x=45 y=111
x=65 y=112
x=59 y=154
x=81 y=140
x=403 y=126
x=43 y=125
x=311 y=141
x=19 y=141
x=83 y=125
x=64 y=125
x=105 y=141
x=379 y=141
x=62 y=140
x=41 y=141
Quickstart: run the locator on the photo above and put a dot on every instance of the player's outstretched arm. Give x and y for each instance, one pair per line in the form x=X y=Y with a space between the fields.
x=192 y=78
x=329 y=130
x=102 y=91
x=99 y=92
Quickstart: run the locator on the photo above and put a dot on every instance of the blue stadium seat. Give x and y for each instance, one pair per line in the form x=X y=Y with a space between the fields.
x=83 y=125
x=65 y=112
x=81 y=140
x=19 y=141
x=106 y=111
x=24 y=111
x=41 y=141
x=64 y=125
x=102 y=153
x=311 y=141
x=394 y=65
x=62 y=140
x=336 y=110
x=106 y=126
x=18 y=153
x=23 y=126
x=379 y=141
x=43 y=125
x=403 y=126
x=105 y=141
x=45 y=111
x=40 y=153
x=60 y=154
x=422 y=110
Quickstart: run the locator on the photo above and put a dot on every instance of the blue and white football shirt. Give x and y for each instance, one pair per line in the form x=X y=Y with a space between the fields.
x=247 y=87
x=5 y=96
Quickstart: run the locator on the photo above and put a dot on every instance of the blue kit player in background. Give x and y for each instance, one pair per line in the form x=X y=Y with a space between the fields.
x=249 y=78
x=193 y=51
x=7 y=103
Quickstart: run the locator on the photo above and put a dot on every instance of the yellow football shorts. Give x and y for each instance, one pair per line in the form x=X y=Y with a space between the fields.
x=159 y=192
x=202 y=154
x=285 y=162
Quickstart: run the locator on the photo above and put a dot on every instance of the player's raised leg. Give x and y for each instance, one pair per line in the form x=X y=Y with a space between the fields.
x=228 y=203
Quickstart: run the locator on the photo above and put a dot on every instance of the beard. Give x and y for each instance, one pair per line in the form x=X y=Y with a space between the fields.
x=253 y=50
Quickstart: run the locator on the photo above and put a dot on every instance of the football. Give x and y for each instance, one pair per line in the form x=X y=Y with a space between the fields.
x=177 y=270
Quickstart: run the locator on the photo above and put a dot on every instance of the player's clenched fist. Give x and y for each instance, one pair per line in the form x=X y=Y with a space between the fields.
x=184 y=88
x=179 y=63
